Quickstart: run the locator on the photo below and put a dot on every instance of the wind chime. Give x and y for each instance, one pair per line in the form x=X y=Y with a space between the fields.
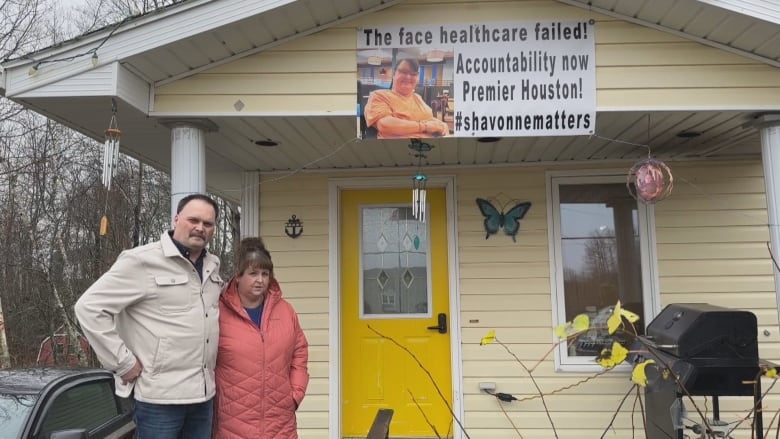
x=110 y=160
x=419 y=180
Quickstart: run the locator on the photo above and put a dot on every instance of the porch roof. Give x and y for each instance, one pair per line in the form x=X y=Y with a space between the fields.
x=163 y=46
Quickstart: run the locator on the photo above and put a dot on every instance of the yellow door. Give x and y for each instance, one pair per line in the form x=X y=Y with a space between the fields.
x=394 y=286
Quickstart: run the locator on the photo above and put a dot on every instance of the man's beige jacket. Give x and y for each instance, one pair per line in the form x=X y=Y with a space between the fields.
x=151 y=305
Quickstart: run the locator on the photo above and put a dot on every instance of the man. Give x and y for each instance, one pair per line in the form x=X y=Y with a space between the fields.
x=153 y=320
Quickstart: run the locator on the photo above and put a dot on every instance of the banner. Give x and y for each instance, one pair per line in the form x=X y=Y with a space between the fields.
x=514 y=79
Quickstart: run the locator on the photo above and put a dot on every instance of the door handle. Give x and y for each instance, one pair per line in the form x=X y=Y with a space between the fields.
x=442 y=326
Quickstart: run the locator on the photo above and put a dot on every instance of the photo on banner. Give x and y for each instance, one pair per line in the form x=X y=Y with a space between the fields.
x=512 y=79
x=413 y=84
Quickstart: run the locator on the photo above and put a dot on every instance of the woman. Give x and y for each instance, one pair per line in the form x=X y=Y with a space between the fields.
x=262 y=361
x=400 y=112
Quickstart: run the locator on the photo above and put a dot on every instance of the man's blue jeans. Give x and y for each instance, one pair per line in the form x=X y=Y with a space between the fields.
x=171 y=421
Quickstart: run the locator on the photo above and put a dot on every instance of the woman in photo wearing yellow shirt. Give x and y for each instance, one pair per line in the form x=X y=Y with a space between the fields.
x=400 y=112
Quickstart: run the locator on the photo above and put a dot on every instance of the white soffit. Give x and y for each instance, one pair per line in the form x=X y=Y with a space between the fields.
x=122 y=40
x=746 y=28
x=185 y=38
x=766 y=10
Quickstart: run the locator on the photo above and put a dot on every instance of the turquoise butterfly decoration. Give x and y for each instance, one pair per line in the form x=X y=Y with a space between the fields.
x=509 y=220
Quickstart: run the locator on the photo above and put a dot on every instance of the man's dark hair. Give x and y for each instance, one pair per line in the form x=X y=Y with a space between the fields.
x=183 y=202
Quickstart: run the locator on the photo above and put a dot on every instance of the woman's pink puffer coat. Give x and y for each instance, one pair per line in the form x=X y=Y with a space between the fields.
x=261 y=372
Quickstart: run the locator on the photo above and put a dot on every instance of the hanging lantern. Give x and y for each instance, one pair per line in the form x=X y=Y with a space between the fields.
x=111 y=150
x=650 y=181
x=419 y=180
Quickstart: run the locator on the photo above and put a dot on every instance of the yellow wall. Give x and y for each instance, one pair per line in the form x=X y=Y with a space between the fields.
x=711 y=242
x=636 y=66
x=301 y=265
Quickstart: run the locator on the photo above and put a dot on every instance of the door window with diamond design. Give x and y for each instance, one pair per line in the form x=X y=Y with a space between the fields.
x=394 y=263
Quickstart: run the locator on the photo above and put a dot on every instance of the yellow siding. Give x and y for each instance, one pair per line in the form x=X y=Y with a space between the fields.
x=711 y=236
x=302 y=268
x=721 y=252
x=636 y=66
x=712 y=243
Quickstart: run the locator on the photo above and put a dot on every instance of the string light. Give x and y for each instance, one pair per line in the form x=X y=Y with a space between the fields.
x=93 y=52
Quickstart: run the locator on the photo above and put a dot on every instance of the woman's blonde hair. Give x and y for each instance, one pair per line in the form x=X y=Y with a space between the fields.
x=253 y=254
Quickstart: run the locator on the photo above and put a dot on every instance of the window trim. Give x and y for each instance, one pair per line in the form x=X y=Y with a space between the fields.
x=648 y=251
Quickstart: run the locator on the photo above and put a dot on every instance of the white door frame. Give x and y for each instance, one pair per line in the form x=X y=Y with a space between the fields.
x=335 y=186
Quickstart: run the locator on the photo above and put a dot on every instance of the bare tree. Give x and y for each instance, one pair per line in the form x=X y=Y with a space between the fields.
x=51 y=187
x=96 y=14
x=19 y=33
x=19 y=20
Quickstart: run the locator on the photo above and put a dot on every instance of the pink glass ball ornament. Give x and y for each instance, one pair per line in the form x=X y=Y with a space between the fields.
x=650 y=181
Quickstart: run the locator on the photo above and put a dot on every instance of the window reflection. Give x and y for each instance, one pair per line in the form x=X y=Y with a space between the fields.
x=601 y=257
x=14 y=410
x=394 y=262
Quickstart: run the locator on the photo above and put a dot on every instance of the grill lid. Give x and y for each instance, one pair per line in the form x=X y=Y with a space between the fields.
x=696 y=331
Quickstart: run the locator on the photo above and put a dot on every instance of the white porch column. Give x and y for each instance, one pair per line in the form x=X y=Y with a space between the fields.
x=250 y=204
x=188 y=157
x=769 y=124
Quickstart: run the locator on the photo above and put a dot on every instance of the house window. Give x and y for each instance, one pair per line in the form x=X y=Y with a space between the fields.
x=388 y=299
x=601 y=253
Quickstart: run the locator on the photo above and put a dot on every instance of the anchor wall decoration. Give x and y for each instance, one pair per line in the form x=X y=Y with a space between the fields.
x=293 y=227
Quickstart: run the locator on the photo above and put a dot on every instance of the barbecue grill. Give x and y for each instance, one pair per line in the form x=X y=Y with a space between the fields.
x=713 y=351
